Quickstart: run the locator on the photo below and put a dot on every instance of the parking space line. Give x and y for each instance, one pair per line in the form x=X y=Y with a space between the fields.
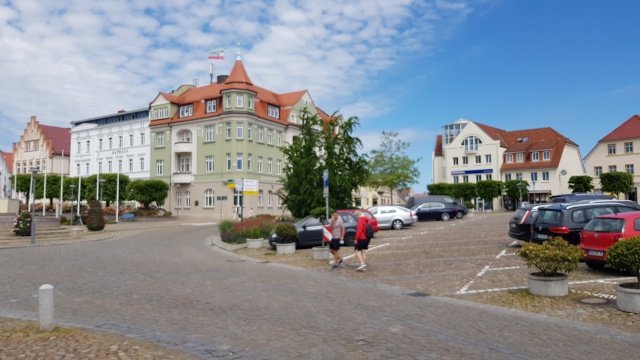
x=506 y=268
x=460 y=292
x=602 y=281
x=371 y=248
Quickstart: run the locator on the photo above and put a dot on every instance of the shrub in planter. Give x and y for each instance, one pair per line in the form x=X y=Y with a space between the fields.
x=625 y=255
x=22 y=224
x=551 y=258
x=286 y=233
x=95 y=219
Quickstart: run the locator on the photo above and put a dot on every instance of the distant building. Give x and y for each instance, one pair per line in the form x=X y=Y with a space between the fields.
x=111 y=143
x=470 y=152
x=6 y=171
x=619 y=150
x=207 y=140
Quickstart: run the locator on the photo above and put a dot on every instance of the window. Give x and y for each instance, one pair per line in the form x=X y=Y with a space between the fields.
x=77 y=169
x=209 y=133
x=545 y=176
x=208 y=163
x=184 y=164
x=249 y=162
x=270 y=137
x=111 y=143
x=109 y=166
x=141 y=164
x=78 y=147
x=260 y=198
x=259 y=164
x=159 y=140
x=212 y=106
x=227 y=99
x=546 y=155
x=509 y=158
x=611 y=149
x=159 y=167
x=456 y=179
x=270 y=199
x=130 y=165
x=279 y=167
x=249 y=102
x=465 y=178
x=239 y=130
x=478 y=159
x=478 y=178
x=120 y=142
x=208 y=198
x=488 y=177
x=260 y=134
x=179 y=199
x=518 y=176
x=535 y=156
x=269 y=166
x=228 y=130
x=273 y=111
x=88 y=147
x=628 y=147
x=487 y=158
x=99 y=144
x=99 y=166
x=228 y=161
x=465 y=160
x=159 y=113
x=187 y=199
x=471 y=143
x=86 y=168
x=613 y=168
x=250 y=132
x=455 y=161
x=278 y=138
x=186 y=110
x=597 y=170
x=520 y=157
x=629 y=168
x=239 y=158
x=141 y=138
x=240 y=101
x=184 y=136
x=534 y=176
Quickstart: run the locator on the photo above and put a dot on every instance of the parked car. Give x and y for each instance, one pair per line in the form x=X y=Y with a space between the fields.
x=372 y=219
x=603 y=231
x=310 y=231
x=435 y=211
x=573 y=197
x=461 y=209
x=520 y=223
x=567 y=220
x=393 y=217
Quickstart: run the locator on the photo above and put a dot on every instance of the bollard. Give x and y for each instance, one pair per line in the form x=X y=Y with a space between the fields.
x=45 y=300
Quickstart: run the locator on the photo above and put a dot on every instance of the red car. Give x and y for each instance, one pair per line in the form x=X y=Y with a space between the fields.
x=372 y=220
x=605 y=230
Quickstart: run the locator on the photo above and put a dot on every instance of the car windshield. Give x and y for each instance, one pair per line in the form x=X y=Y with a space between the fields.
x=309 y=220
x=605 y=225
x=552 y=217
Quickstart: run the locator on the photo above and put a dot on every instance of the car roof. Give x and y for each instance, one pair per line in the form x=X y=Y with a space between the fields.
x=623 y=215
x=589 y=203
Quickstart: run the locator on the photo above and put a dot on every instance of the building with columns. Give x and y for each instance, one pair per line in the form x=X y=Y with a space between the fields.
x=469 y=152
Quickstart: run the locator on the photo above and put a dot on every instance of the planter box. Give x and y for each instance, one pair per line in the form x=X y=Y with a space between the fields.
x=550 y=286
x=321 y=253
x=285 y=249
x=628 y=299
x=255 y=243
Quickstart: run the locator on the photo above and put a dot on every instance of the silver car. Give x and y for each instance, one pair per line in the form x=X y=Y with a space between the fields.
x=393 y=217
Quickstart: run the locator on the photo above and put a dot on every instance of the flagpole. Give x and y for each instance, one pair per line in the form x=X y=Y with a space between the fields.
x=117 y=195
x=44 y=193
x=60 y=201
x=79 y=185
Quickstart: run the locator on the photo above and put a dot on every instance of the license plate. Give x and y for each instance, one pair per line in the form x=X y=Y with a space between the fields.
x=595 y=253
x=512 y=225
x=542 y=236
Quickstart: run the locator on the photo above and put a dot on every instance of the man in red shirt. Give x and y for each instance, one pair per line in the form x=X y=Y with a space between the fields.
x=362 y=242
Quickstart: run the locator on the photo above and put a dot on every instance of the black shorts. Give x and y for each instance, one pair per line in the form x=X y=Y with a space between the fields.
x=362 y=245
x=334 y=244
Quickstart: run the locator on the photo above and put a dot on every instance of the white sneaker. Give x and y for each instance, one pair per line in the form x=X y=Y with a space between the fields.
x=332 y=262
x=362 y=267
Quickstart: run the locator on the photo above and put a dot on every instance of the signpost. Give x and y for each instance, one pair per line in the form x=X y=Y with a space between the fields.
x=325 y=191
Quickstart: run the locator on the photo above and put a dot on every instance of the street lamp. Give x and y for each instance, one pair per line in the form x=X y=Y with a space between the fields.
x=73 y=190
x=520 y=186
x=34 y=172
x=101 y=185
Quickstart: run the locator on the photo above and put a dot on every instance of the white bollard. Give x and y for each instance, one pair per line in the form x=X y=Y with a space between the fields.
x=45 y=297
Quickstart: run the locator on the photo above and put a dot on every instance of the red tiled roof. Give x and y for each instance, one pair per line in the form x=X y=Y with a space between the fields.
x=438 y=148
x=531 y=140
x=59 y=137
x=627 y=130
x=8 y=160
x=494 y=133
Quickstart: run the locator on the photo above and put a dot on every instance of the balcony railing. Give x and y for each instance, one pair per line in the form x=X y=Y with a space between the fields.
x=182 y=178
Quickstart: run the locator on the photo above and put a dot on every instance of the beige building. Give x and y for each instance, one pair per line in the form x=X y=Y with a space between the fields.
x=470 y=152
x=618 y=151
x=42 y=147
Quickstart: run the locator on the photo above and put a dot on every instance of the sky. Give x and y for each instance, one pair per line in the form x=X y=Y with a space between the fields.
x=405 y=66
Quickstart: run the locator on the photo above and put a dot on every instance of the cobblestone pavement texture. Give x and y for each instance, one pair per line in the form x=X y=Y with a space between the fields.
x=167 y=284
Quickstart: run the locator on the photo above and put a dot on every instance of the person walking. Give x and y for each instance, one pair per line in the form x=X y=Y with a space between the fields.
x=362 y=241
x=338 y=232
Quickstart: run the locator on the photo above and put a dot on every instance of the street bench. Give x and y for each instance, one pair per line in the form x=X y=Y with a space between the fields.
x=128 y=217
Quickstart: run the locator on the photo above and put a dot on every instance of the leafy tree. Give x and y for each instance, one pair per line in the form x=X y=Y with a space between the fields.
x=489 y=189
x=147 y=191
x=515 y=192
x=390 y=166
x=616 y=182
x=439 y=189
x=23 y=184
x=108 y=187
x=465 y=191
x=581 y=184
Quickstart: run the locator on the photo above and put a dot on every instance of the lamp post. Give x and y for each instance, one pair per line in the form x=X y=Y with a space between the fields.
x=34 y=172
x=73 y=188
x=520 y=186
x=101 y=185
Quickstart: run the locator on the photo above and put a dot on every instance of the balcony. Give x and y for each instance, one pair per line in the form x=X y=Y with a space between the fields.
x=183 y=147
x=182 y=178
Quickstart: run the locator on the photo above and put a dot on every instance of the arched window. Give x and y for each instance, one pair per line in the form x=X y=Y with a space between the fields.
x=471 y=143
x=184 y=136
x=208 y=198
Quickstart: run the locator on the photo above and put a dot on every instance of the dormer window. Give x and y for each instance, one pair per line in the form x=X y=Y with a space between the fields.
x=186 y=110
x=535 y=156
x=546 y=155
x=160 y=113
x=471 y=143
x=520 y=157
x=212 y=106
x=509 y=158
x=273 y=111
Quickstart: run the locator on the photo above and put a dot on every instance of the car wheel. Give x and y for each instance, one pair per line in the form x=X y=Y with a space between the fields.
x=595 y=265
x=396 y=224
x=349 y=239
x=445 y=216
x=459 y=215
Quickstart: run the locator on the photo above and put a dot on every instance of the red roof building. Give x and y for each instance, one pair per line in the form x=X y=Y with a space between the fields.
x=43 y=147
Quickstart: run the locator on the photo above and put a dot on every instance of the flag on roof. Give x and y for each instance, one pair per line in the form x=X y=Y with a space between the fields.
x=217 y=54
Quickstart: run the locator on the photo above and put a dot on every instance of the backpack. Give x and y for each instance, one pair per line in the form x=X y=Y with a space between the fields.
x=368 y=230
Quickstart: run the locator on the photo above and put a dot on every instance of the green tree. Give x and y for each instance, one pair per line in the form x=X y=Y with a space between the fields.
x=616 y=182
x=390 y=166
x=515 y=192
x=108 y=187
x=147 y=191
x=489 y=189
x=581 y=184
x=439 y=189
x=465 y=191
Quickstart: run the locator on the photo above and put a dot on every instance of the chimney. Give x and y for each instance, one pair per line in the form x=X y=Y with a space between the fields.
x=222 y=78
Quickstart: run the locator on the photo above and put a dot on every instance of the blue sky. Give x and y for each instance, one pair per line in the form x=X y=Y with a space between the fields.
x=405 y=66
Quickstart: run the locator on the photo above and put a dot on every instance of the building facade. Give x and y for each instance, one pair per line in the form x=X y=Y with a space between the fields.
x=470 y=152
x=208 y=141
x=6 y=171
x=112 y=143
x=42 y=147
x=619 y=150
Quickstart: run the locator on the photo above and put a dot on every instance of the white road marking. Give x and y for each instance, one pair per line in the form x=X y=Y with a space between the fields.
x=199 y=224
x=371 y=248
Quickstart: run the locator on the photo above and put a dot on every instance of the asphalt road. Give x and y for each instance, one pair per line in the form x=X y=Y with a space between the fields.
x=167 y=284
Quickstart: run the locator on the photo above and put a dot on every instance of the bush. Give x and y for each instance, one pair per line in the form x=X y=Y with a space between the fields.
x=63 y=220
x=225 y=225
x=286 y=232
x=22 y=224
x=95 y=219
x=552 y=257
x=251 y=228
x=625 y=255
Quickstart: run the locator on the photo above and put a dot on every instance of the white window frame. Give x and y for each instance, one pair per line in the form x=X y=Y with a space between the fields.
x=260 y=164
x=141 y=164
x=209 y=133
x=209 y=165
x=228 y=161
x=239 y=130
x=260 y=134
x=239 y=101
x=535 y=156
x=487 y=158
x=279 y=138
x=545 y=176
x=130 y=164
x=249 y=158
x=520 y=157
x=249 y=132
x=159 y=167
x=228 y=130
x=239 y=161
x=546 y=155
x=159 y=139
x=269 y=166
x=269 y=137
x=186 y=110
x=212 y=106
x=509 y=158
x=187 y=199
x=209 y=199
